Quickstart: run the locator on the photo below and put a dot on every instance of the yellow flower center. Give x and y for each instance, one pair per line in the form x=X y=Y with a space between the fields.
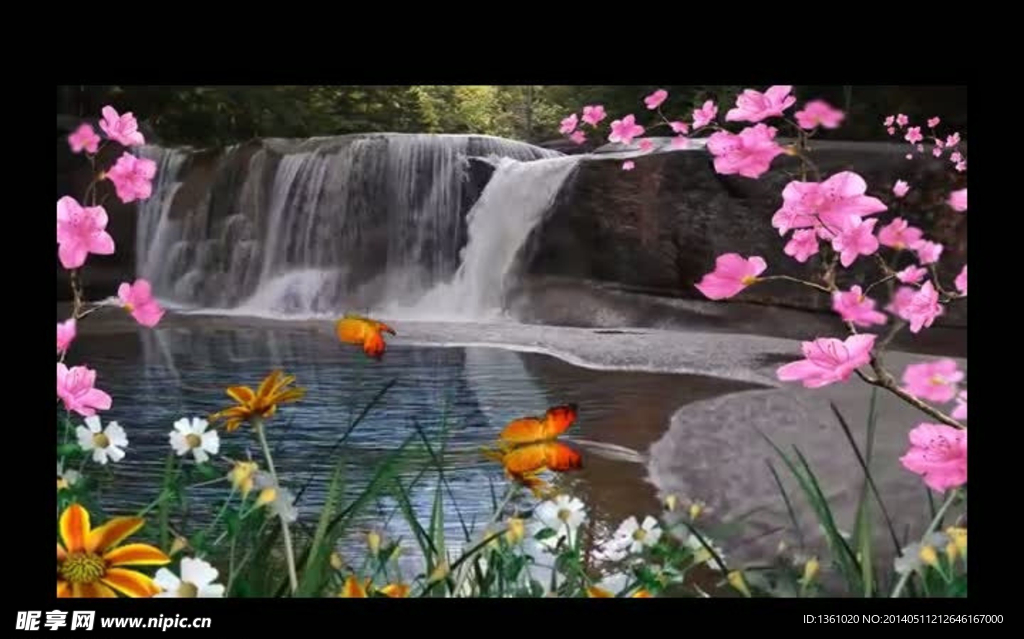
x=937 y=380
x=639 y=534
x=188 y=590
x=129 y=308
x=83 y=568
x=564 y=514
x=193 y=440
x=100 y=440
x=748 y=280
x=899 y=246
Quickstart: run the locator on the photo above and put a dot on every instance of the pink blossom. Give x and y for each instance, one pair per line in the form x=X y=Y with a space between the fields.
x=938 y=143
x=937 y=151
x=121 y=128
x=75 y=389
x=754 y=106
x=132 y=177
x=961 y=281
x=788 y=218
x=857 y=238
x=953 y=140
x=901 y=300
x=928 y=252
x=909 y=156
x=628 y=165
x=646 y=145
x=938 y=453
x=705 y=115
x=960 y=411
x=138 y=300
x=732 y=274
x=84 y=137
x=593 y=115
x=920 y=148
x=568 y=124
x=748 y=154
x=578 y=136
x=961 y=166
x=899 y=235
x=934 y=381
x=922 y=308
x=891 y=130
x=835 y=201
x=911 y=275
x=654 y=100
x=80 y=231
x=66 y=332
x=679 y=142
x=828 y=360
x=853 y=306
x=913 y=135
x=803 y=245
x=902 y=120
x=889 y=121
x=679 y=127
x=819 y=112
x=955 y=157
x=625 y=130
x=933 y=122
x=900 y=188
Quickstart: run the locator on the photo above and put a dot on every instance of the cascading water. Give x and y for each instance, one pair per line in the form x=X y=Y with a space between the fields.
x=321 y=225
x=512 y=204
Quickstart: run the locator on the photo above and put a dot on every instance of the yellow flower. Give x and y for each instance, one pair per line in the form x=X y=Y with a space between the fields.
x=266 y=496
x=671 y=502
x=179 y=544
x=696 y=508
x=642 y=594
x=336 y=561
x=929 y=556
x=395 y=591
x=243 y=476
x=736 y=581
x=89 y=562
x=516 y=530
x=373 y=542
x=811 y=570
x=598 y=593
x=959 y=537
x=261 y=404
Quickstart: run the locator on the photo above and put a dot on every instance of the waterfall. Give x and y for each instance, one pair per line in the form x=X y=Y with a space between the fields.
x=322 y=225
x=510 y=207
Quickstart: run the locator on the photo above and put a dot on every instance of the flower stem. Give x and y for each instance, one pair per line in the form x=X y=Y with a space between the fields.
x=883 y=379
x=902 y=583
x=286 y=534
x=819 y=287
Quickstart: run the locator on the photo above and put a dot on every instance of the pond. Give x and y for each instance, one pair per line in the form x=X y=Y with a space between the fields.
x=458 y=397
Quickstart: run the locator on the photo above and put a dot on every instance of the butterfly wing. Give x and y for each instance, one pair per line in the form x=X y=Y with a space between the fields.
x=526 y=430
x=550 y=455
x=558 y=419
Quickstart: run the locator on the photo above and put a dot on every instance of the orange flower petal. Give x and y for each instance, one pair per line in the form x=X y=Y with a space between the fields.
x=130 y=583
x=600 y=593
x=395 y=591
x=642 y=594
x=268 y=383
x=291 y=395
x=94 y=590
x=63 y=589
x=61 y=553
x=74 y=527
x=112 y=533
x=137 y=555
x=241 y=394
x=232 y=425
x=287 y=380
x=353 y=589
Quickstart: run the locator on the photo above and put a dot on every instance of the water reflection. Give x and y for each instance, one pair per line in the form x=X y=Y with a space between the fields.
x=463 y=395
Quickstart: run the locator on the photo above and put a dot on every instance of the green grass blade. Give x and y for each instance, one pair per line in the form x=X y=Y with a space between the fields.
x=319 y=552
x=789 y=504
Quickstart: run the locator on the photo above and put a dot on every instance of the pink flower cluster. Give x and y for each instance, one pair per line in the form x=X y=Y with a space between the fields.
x=82 y=231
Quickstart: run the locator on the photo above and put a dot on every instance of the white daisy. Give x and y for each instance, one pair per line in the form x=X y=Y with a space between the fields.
x=561 y=512
x=104 y=443
x=193 y=436
x=634 y=537
x=196 y=580
x=701 y=554
x=66 y=478
x=278 y=499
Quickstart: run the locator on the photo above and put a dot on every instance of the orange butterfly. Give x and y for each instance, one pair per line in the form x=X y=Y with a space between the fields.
x=528 y=430
x=368 y=333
